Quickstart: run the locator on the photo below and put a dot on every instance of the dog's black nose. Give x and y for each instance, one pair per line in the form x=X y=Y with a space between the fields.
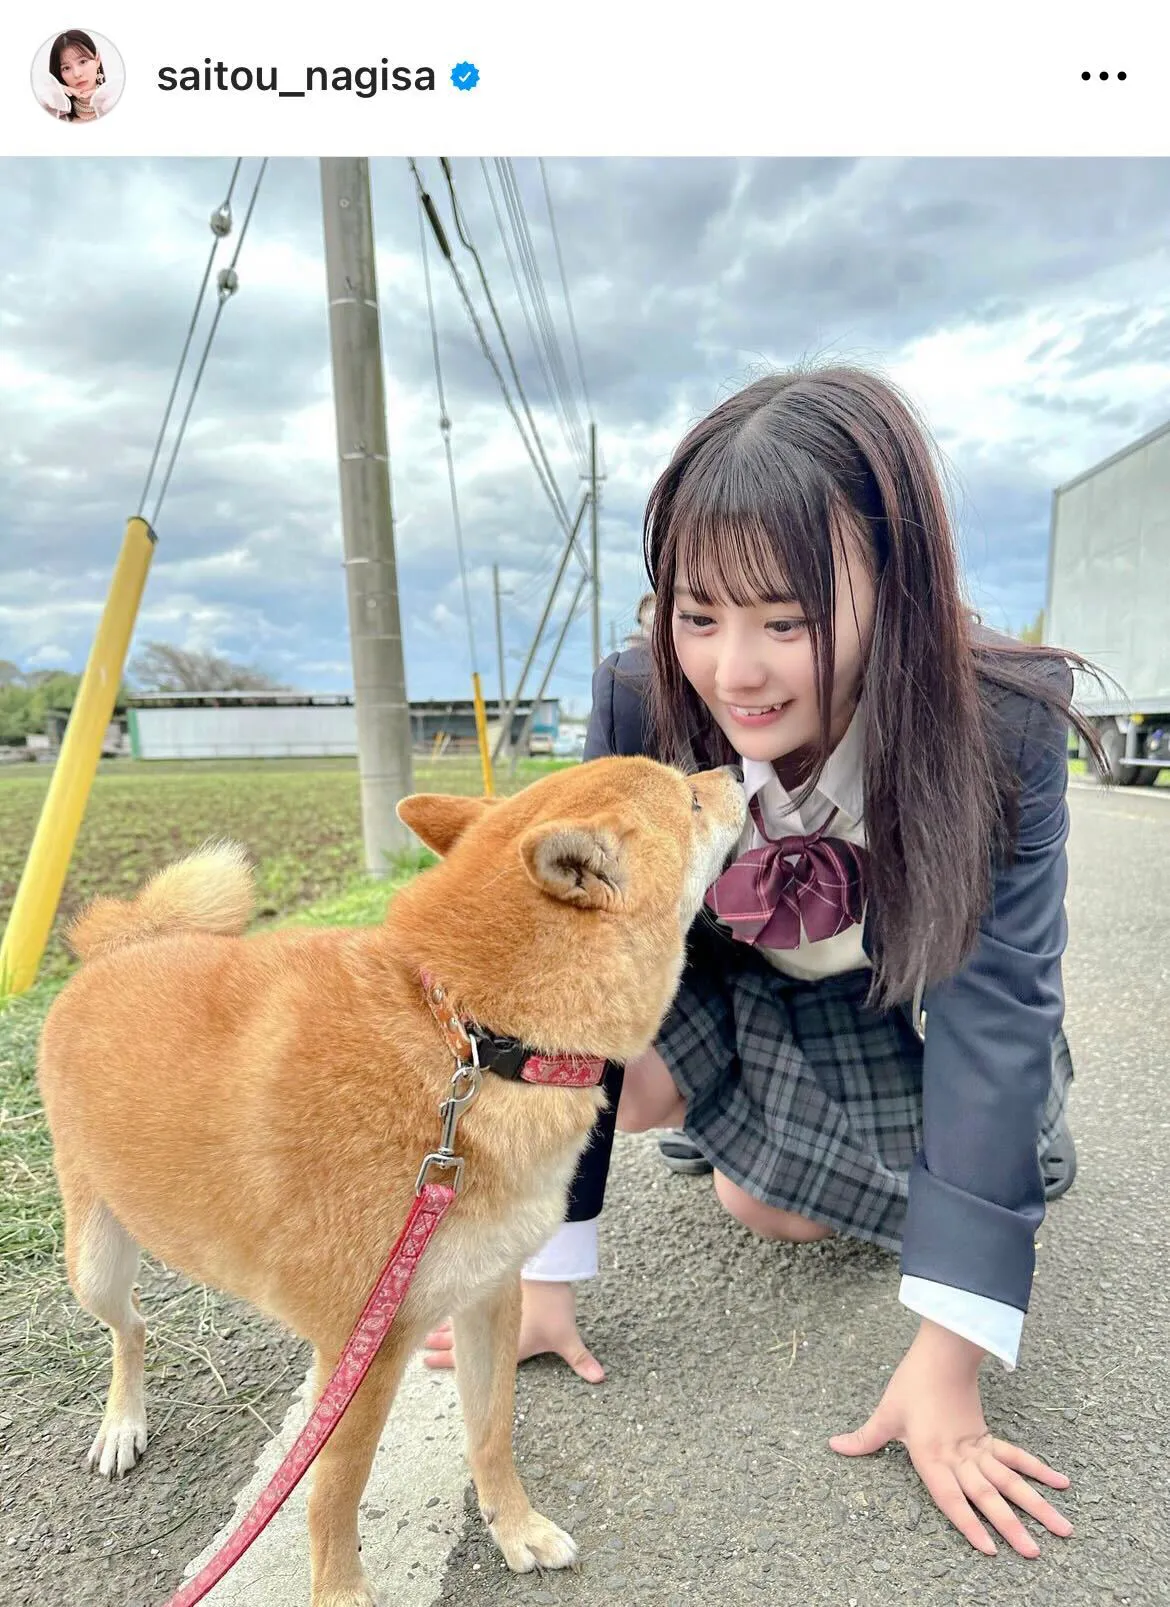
x=736 y=772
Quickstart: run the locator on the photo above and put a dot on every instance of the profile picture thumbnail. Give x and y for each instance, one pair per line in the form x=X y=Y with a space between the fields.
x=78 y=76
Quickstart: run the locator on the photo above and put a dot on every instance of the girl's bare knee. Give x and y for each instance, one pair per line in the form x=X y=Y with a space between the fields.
x=649 y=1096
x=767 y=1220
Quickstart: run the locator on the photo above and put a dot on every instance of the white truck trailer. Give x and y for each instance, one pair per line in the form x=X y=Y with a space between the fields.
x=1109 y=600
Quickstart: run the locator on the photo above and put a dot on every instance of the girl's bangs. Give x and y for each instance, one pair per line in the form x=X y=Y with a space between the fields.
x=753 y=524
x=725 y=559
x=728 y=561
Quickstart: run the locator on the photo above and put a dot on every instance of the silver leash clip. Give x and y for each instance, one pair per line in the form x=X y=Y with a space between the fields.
x=465 y=1086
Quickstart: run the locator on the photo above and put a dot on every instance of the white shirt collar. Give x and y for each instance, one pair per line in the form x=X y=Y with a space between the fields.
x=840 y=781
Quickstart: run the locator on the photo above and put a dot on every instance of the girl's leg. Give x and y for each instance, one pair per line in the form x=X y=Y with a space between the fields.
x=650 y=1097
x=766 y=1220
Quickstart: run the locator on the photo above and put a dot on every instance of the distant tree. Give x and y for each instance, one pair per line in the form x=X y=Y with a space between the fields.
x=10 y=674
x=1034 y=633
x=14 y=715
x=24 y=704
x=163 y=668
x=57 y=690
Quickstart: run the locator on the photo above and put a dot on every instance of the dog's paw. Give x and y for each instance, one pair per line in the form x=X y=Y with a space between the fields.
x=534 y=1542
x=119 y=1444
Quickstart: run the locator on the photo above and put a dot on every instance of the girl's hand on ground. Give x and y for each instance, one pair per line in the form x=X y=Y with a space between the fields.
x=932 y=1406
x=548 y=1324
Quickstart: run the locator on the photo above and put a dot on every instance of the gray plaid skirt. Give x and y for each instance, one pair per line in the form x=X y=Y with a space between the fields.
x=800 y=1093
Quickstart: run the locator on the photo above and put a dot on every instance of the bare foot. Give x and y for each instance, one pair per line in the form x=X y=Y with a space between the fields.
x=548 y=1325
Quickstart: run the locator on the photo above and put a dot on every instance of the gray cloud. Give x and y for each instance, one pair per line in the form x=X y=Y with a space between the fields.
x=1029 y=291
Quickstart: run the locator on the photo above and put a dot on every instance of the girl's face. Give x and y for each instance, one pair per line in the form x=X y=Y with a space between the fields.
x=753 y=667
x=79 y=72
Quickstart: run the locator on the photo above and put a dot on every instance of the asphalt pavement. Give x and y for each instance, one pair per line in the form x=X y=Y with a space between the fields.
x=700 y=1473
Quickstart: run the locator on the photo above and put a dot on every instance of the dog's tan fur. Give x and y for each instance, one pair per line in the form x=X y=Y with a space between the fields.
x=254 y=1110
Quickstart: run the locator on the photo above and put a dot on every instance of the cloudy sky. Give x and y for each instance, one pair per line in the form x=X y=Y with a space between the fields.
x=1025 y=306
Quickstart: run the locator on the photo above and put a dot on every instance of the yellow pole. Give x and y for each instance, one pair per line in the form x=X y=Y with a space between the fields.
x=48 y=859
x=485 y=758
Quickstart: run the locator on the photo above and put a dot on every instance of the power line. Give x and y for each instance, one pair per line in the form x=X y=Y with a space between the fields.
x=466 y=240
x=565 y=286
x=560 y=382
x=549 y=380
x=549 y=486
x=515 y=203
x=538 y=336
x=228 y=282
x=537 y=580
x=445 y=430
x=554 y=343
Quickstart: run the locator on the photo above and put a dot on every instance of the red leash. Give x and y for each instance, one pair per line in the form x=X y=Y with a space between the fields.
x=431 y=1203
x=429 y=1208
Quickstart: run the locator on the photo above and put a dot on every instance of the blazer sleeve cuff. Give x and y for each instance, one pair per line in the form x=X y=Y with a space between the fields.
x=989 y=1324
x=959 y=1239
x=569 y=1256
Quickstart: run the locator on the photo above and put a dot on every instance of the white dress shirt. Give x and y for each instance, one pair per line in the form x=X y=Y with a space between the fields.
x=571 y=1254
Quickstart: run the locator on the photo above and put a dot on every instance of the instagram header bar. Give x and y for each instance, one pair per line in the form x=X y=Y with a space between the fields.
x=900 y=80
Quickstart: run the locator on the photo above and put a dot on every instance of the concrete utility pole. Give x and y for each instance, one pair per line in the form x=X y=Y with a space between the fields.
x=594 y=565
x=379 y=672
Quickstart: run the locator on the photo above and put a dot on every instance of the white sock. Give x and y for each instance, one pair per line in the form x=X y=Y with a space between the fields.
x=570 y=1255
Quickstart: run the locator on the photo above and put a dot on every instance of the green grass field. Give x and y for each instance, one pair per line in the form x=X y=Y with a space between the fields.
x=301 y=819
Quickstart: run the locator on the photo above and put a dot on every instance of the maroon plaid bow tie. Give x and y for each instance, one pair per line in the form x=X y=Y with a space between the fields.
x=769 y=891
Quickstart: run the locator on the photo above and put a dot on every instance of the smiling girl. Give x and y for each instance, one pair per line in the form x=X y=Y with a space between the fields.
x=866 y=1040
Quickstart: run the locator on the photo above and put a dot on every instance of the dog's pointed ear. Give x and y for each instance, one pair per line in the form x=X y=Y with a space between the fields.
x=440 y=818
x=579 y=862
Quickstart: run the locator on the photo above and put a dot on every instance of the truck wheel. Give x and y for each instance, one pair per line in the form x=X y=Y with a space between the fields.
x=1120 y=773
x=1147 y=776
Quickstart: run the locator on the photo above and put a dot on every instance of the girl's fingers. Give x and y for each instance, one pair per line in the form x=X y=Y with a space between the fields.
x=1013 y=1488
x=947 y=1495
x=1013 y=1456
x=980 y=1490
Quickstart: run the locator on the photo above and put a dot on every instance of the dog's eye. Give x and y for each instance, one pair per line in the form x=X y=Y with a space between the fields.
x=696 y=806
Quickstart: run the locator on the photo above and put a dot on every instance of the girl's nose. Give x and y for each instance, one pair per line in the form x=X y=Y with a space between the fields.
x=740 y=673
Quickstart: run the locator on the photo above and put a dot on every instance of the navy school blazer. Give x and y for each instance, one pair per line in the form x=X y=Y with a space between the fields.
x=976 y=1193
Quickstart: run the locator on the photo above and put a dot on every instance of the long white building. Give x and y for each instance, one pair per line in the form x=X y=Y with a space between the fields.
x=284 y=725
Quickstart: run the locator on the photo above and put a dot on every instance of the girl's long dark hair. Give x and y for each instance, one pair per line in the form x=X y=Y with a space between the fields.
x=760 y=490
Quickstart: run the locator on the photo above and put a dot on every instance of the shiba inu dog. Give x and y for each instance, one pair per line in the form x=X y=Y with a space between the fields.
x=253 y=1109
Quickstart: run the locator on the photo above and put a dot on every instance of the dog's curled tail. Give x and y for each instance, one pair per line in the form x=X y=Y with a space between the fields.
x=210 y=890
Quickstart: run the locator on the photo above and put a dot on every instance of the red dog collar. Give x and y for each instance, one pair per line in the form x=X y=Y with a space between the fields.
x=508 y=1057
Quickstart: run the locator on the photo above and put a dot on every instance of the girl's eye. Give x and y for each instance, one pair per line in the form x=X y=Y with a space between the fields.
x=780 y=627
